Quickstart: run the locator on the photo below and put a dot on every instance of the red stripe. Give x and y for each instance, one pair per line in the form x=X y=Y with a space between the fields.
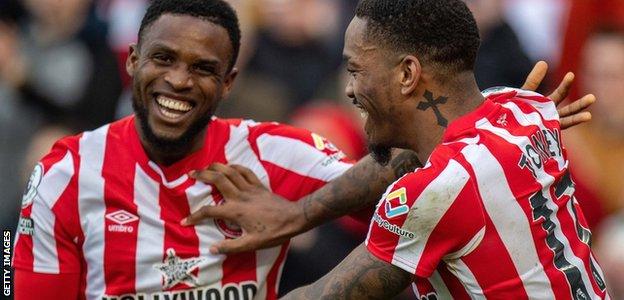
x=453 y=284
x=274 y=272
x=118 y=175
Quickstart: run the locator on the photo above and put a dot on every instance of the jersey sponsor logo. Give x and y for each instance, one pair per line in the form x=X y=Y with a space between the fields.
x=26 y=226
x=321 y=144
x=242 y=291
x=396 y=203
x=121 y=218
x=227 y=228
x=33 y=184
x=176 y=270
x=392 y=228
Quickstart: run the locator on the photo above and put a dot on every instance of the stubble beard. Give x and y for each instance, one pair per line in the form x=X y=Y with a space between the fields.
x=169 y=145
x=380 y=153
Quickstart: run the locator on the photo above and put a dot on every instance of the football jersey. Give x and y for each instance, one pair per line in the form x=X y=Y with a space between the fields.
x=96 y=205
x=492 y=214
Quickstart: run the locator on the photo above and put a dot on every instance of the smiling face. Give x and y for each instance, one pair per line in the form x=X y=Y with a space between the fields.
x=372 y=89
x=180 y=73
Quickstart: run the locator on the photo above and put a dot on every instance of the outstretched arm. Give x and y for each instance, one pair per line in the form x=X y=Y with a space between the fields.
x=269 y=220
x=359 y=276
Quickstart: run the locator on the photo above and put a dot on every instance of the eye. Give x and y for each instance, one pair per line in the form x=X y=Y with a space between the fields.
x=204 y=69
x=162 y=58
x=351 y=72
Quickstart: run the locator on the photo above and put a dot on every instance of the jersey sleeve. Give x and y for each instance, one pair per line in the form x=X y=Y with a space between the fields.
x=297 y=161
x=425 y=217
x=44 y=243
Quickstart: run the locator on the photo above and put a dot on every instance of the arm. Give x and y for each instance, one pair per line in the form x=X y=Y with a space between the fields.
x=270 y=220
x=359 y=276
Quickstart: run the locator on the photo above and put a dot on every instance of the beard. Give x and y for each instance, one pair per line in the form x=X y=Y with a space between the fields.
x=380 y=153
x=169 y=145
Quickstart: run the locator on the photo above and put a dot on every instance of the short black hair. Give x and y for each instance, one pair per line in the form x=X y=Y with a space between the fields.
x=216 y=11
x=438 y=31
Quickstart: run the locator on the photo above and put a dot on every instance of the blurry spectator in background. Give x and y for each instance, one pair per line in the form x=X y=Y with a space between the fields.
x=609 y=252
x=292 y=49
x=596 y=149
x=57 y=76
x=501 y=61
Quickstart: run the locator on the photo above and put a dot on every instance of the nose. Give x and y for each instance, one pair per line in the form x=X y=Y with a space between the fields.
x=179 y=78
x=349 y=89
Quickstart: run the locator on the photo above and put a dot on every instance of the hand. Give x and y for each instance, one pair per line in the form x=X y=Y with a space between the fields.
x=571 y=114
x=248 y=203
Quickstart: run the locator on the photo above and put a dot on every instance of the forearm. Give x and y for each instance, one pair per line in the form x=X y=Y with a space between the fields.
x=359 y=276
x=358 y=188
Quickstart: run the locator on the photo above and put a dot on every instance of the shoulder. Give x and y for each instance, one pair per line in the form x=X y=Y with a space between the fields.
x=523 y=101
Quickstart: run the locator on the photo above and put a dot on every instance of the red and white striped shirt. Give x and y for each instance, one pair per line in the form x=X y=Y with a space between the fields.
x=97 y=206
x=492 y=214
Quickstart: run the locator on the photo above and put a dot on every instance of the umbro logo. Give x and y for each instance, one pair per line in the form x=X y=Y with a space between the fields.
x=121 y=218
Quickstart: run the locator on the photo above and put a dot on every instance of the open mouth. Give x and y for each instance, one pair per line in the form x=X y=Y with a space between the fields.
x=173 y=108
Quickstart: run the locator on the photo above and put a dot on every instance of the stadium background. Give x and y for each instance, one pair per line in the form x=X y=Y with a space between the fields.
x=62 y=72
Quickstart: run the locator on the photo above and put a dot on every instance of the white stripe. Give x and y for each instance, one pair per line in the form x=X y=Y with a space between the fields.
x=509 y=219
x=469 y=247
x=265 y=259
x=169 y=184
x=52 y=186
x=150 y=232
x=439 y=286
x=210 y=269
x=461 y=270
x=426 y=213
x=299 y=157
x=238 y=151
x=92 y=208
x=534 y=119
x=546 y=180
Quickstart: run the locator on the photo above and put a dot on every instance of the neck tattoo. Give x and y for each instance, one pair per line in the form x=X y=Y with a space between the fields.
x=433 y=104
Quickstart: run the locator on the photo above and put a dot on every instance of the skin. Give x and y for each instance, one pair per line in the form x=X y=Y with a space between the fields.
x=191 y=65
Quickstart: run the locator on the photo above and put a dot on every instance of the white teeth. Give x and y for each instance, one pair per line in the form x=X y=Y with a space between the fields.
x=173 y=104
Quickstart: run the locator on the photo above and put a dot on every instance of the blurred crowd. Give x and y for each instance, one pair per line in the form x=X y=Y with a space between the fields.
x=62 y=72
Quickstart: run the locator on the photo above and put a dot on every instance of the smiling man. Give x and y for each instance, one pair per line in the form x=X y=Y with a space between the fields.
x=101 y=216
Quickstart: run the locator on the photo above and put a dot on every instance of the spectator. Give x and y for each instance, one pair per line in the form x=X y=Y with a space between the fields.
x=597 y=149
x=501 y=60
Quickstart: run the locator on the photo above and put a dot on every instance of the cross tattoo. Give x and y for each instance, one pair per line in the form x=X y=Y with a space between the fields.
x=433 y=104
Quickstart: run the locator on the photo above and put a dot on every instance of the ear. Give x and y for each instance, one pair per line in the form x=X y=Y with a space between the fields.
x=411 y=70
x=229 y=82
x=132 y=60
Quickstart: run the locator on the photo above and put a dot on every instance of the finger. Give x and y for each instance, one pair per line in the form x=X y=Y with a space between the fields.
x=562 y=91
x=536 y=76
x=237 y=245
x=232 y=174
x=575 y=119
x=249 y=175
x=577 y=106
x=219 y=180
x=206 y=212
